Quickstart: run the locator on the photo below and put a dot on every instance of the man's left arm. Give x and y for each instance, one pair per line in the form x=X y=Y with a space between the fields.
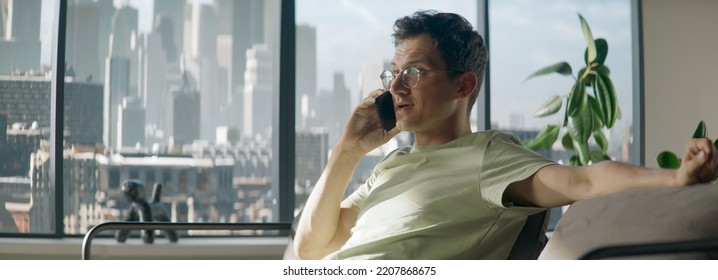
x=558 y=185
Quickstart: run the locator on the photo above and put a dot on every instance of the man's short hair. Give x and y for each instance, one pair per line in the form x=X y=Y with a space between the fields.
x=459 y=45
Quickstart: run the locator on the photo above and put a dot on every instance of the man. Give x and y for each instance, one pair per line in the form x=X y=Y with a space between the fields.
x=455 y=194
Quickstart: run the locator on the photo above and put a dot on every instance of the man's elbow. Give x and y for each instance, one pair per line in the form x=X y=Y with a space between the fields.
x=305 y=251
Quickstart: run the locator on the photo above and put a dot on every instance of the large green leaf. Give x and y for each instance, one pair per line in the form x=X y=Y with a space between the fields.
x=590 y=43
x=551 y=107
x=577 y=101
x=580 y=128
x=700 y=130
x=562 y=68
x=601 y=140
x=606 y=95
x=601 y=52
x=582 y=151
x=668 y=160
x=598 y=114
x=545 y=138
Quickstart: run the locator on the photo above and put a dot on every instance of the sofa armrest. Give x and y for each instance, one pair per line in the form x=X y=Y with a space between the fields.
x=638 y=217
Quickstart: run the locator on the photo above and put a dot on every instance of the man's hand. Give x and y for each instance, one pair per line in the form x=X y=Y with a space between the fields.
x=363 y=131
x=699 y=164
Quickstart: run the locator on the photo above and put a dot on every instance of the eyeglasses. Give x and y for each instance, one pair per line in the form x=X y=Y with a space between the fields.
x=409 y=76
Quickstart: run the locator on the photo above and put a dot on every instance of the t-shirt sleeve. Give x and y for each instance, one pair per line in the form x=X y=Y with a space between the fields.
x=359 y=195
x=506 y=161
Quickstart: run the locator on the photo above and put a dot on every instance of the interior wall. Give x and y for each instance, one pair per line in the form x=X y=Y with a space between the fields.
x=680 y=55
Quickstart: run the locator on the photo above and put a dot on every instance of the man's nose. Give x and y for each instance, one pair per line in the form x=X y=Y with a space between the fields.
x=397 y=86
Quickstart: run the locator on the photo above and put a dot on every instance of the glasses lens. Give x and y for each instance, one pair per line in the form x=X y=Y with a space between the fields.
x=386 y=78
x=410 y=77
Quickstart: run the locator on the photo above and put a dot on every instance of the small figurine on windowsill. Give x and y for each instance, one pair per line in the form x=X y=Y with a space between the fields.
x=144 y=211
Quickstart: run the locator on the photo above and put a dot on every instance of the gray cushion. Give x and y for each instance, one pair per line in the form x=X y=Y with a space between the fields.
x=637 y=217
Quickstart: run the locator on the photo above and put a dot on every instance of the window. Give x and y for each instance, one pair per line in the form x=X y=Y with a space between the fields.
x=174 y=91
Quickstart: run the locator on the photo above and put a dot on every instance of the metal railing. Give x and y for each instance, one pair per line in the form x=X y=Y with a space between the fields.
x=90 y=235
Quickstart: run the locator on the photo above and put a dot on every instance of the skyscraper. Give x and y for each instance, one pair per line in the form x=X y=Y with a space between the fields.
x=247 y=29
x=121 y=66
x=307 y=77
x=131 y=126
x=258 y=91
x=20 y=43
x=173 y=10
x=202 y=64
x=117 y=87
x=82 y=44
x=185 y=116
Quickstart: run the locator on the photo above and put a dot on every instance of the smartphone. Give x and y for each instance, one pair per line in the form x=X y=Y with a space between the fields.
x=384 y=105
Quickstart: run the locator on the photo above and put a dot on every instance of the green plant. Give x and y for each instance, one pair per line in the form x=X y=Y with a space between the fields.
x=585 y=115
x=669 y=160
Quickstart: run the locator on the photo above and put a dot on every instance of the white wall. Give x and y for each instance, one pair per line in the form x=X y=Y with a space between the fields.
x=680 y=49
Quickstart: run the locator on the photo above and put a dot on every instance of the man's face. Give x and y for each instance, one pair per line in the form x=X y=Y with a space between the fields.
x=431 y=106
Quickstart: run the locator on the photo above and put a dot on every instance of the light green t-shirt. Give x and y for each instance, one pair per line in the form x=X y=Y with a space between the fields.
x=442 y=202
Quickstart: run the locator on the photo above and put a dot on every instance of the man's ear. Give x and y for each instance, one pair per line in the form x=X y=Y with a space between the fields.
x=469 y=82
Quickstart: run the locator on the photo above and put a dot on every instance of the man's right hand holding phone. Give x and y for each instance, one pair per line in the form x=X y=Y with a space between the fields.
x=363 y=130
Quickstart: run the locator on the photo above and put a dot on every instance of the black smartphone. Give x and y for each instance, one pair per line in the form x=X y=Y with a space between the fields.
x=384 y=105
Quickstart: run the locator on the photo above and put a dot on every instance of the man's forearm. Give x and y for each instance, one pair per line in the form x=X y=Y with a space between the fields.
x=320 y=225
x=611 y=176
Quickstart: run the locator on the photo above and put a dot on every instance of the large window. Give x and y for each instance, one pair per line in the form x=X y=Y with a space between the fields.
x=166 y=92
x=187 y=94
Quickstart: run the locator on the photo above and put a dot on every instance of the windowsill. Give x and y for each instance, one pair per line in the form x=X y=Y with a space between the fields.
x=107 y=248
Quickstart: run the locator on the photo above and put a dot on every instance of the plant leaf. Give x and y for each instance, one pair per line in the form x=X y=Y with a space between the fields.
x=602 y=70
x=606 y=95
x=601 y=140
x=551 y=107
x=544 y=139
x=567 y=142
x=573 y=161
x=577 y=100
x=597 y=157
x=562 y=68
x=580 y=128
x=668 y=160
x=601 y=52
x=587 y=75
x=598 y=114
x=700 y=130
x=565 y=117
x=590 y=43
x=582 y=150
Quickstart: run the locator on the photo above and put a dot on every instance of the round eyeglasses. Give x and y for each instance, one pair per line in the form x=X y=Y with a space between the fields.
x=409 y=76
